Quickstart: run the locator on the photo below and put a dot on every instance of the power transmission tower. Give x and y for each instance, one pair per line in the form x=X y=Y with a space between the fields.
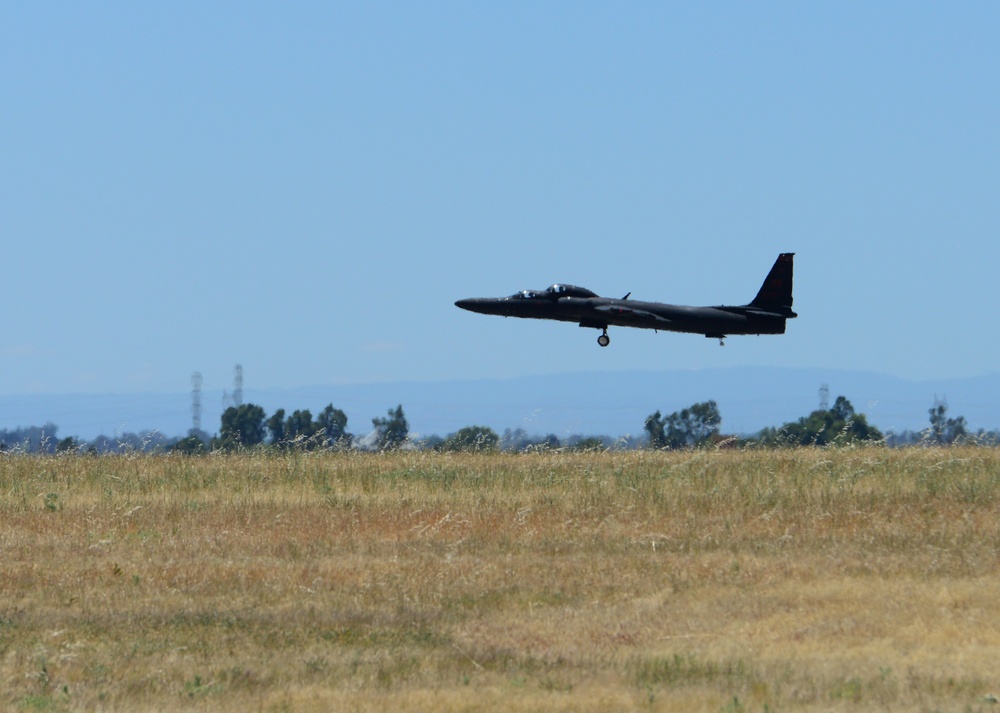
x=238 y=386
x=196 y=382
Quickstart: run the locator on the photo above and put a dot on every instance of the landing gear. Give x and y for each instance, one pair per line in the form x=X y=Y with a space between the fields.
x=604 y=340
x=722 y=342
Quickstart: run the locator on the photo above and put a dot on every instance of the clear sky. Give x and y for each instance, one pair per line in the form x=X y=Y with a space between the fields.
x=306 y=188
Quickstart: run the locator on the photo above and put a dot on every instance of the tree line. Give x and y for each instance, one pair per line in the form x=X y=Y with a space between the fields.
x=249 y=427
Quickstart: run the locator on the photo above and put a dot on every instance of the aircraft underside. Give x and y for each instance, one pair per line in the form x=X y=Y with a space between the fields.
x=713 y=326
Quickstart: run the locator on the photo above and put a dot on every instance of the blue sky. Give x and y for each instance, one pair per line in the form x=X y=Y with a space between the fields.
x=306 y=188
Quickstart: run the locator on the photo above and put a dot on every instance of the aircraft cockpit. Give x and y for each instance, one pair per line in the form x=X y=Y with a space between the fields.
x=559 y=290
x=554 y=292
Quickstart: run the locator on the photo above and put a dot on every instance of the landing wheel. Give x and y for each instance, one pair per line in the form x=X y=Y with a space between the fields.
x=604 y=340
x=722 y=343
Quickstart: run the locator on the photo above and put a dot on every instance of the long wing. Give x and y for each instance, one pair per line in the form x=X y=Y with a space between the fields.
x=631 y=317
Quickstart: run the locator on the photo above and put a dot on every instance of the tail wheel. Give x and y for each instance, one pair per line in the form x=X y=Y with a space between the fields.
x=604 y=340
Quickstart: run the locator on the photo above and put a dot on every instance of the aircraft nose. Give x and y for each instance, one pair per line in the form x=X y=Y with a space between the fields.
x=482 y=305
x=470 y=304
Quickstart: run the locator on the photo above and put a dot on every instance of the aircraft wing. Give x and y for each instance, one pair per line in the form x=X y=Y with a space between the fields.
x=630 y=317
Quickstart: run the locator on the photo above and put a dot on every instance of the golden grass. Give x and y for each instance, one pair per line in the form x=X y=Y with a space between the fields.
x=721 y=581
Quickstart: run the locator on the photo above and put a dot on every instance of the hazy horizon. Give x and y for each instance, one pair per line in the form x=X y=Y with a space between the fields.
x=574 y=403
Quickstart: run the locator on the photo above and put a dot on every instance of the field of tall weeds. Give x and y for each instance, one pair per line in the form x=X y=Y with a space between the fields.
x=716 y=580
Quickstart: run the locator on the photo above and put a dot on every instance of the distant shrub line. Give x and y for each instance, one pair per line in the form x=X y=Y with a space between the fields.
x=247 y=426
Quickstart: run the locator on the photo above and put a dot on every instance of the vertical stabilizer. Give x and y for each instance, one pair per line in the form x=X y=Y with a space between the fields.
x=775 y=294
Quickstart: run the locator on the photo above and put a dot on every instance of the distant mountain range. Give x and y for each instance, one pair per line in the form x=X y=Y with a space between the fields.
x=613 y=403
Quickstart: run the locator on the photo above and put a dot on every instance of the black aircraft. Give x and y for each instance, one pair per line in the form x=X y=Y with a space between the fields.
x=766 y=314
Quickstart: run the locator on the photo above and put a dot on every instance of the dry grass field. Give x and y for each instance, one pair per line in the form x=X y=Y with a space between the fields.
x=792 y=580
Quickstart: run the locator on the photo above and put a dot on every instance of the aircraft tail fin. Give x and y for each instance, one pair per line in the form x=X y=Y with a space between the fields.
x=775 y=294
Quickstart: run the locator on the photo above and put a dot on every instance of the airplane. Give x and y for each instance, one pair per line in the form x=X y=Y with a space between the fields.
x=766 y=314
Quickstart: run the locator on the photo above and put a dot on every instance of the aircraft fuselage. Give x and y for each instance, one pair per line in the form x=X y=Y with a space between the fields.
x=766 y=314
x=602 y=312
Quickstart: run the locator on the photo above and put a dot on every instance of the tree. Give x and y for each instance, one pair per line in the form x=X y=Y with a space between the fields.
x=587 y=443
x=333 y=422
x=242 y=427
x=472 y=438
x=519 y=440
x=191 y=445
x=432 y=442
x=276 y=427
x=31 y=439
x=946 y=430
x=656 y=429
x=300 y=429
x=835 y=426
x=391 y=432
x=842 y=410
x=549 y=442
x=685 y=428
x=67 y=445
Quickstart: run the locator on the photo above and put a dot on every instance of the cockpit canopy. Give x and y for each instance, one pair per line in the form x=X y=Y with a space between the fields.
x=570 y=291
x=555 y=292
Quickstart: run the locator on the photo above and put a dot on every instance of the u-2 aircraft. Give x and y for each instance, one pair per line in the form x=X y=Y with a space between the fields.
x=766 y=314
